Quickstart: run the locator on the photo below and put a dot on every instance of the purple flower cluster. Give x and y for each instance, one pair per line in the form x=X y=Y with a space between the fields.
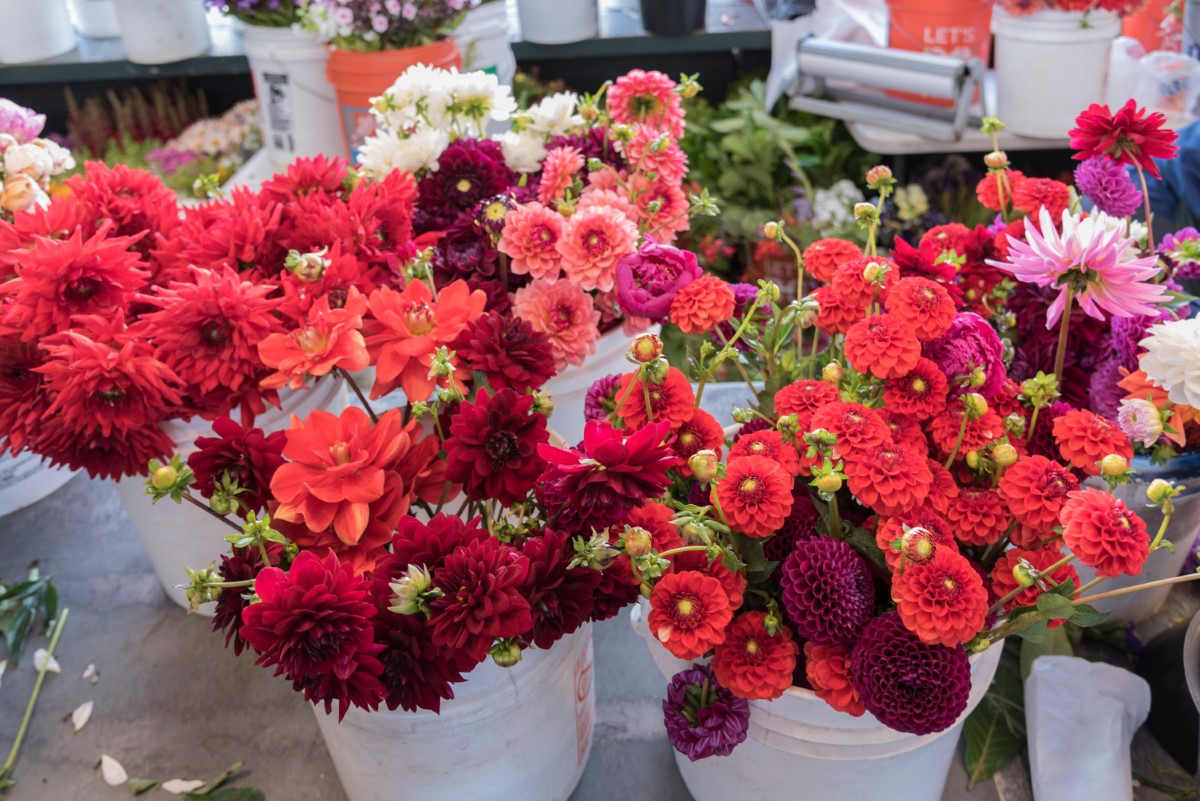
x=268 y=13
x=1109 y=186
x=1182 y=250
x=601 y=398
x=168 y=162
x=385 y=24
x=703 y=718
x=19 y=122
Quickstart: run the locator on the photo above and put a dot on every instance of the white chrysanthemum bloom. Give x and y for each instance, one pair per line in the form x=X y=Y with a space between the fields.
x=554 y=115
x=1172 y=359
x=479 y=97
x=60 y=157
x=28 y=160
x=523 y=152
x=382 y=154
x=399 y=107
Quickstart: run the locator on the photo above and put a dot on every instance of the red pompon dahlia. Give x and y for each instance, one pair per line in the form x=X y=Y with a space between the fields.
x=828 y=593
x=61 y=278
x=982 y=431
x=943 y=489
x=492 y=448
x=941 y=600
x=804 y=397
x=1104 y=533
x=1004 y=582
x=1084 y=438
x=314 y=624
x=1034 y=194
x=924 y=305
x=1035 y=489
x=890 y=531
x=561 y=598
x=673 y=400
x=850 y=279
x=242 y=454
x=883 y=345
x=988 y=192
x=921 y=392
x=702 y=304
x=950 y=239
x=906 y=432
x=207 y=328
x=824 y=256
x=857 y=427
x=1128 y=136
x=888 y=478
x=977 y=516
x=595 y=484
x=689 y=613
x=241 y=564
x=755 y=495
x=417 y=673
x=827 y=668
x=508 y=351
x=836 y=314
x=406 y=328
x=753 y=664
x=699 y=432
x=907 y=685
x=768 y=443
x=481 y=597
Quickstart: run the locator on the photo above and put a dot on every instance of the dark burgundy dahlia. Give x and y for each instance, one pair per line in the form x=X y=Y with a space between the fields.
x=245 y=454
x=799 y=526
x=469 y=171
x=909 y=686
x=561 y=598
x=827 y=591
x=492 y=449
x=417 y=673
x=508 y=351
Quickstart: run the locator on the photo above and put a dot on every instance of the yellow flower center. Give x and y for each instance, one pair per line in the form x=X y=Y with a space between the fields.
x=685 y=607
x=463 y=185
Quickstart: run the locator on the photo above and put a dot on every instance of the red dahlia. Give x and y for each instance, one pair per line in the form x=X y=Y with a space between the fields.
x=1128 y=136
x=924 y=305
x=417 y=673
x=508 y=351
x=942 y=600
x=943 y=490
x=561 y=598
x=920 y=393
x=671 y=400
x=989 y=193
x=492 y=448
x=768 y=443
x=978 y=516
x=857 y=427
x=1084 y=438
x=755 y=495
x=244 y=454
x=1004 y=582
x=883 y=345
x=827 y=668
x=889 y=532
x=688 y=613
x=888 y=478
x=1104 y=533
x=824 y=256
x=753 y=664
x=241 y=564
x=699 y=432
x=1033 y=194
x=851 y=283
x=944 y=430
x=802 y=398
x=1035 y=490
x=836 y=314
x=24 y=399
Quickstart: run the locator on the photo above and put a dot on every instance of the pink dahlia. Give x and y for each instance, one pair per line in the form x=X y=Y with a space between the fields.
x=563 y=312
x=657 y=152
x=592 y=243
x=649 y=98
x=530 y=239
x=559 y=169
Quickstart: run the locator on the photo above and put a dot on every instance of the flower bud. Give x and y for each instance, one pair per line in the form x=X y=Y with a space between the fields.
x=164 y=477
x=703 y=465
x=1023 y=574
x=689 y=88
x=646 y=348
x=1113 y=465
x=542 y=404
x=308 y=267
x=589 y=113
x=996 y=160
x=832 y=372
x=638 y=541
x=976 y=404
x=973 y=460
x=694 y=533
x=1004 y=454
x=413 y=591
x=979 y=645
x=829 y=483
x=1159 y=490
x=743 y=416
x=872 y=272
x=221 y=503
x=917 y=544
x=879 y=178
x=977 y=378
x=505 y=653
x=773 y=231
x=658 y=370
x=866 y=214
x=789 y=424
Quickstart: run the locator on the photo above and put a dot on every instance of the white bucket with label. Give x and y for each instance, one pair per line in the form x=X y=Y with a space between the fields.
x=569 y=388
x=482 y=38
x=522 y=732
x=557 y=21
x=26 y=479
x=799 y=741
x=96 y=19
x=34 y=30
x=162 y=31
x=297 y=104
x=178 y=536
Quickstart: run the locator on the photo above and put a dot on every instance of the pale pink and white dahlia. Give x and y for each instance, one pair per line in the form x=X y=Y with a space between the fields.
x=1172 y=359
x=1140 y=420
x=530 y=238
x=1094 y=260
x=563 y=312
x=592 y=243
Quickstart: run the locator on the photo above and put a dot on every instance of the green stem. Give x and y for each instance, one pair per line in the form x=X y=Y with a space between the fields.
x=1146 y=200
x=683 y=549
x=37 y=689
x=646 y=396
x=812 y=356
x=1149 y=585
x=361 y=398
x=1060 y=355
x=199 y=504
x=637 y=376
x=1162 y=530
x=737 y=363
x=1089 y=585
x=1032 y=423
x=835 y=518
x=962 y=432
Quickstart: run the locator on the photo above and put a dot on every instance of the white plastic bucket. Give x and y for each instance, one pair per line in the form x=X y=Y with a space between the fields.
x=569 y=388
x=1162 y=564
x=1049 y=67
x=297 y=104
x=522 y=732
x=557 y=21
x=181 y=536
x=482 y=38
x=34 y=30
x=96 y=19
x=162 y=31
x=25 y=479
x=799 y=741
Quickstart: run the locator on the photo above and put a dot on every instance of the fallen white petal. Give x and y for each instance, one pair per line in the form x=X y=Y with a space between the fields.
x=40 y=657
x=3 y=667
x=181 y=786
x=91 y=671
x=82 y=714
x=114 y=774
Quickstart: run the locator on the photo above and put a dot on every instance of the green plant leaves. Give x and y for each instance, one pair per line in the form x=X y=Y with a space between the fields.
x=20 y=606
x=995 y=731
x=1054 y=643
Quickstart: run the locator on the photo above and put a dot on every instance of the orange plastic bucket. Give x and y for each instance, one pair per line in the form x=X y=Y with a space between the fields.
x=945 y=27
x=358 y=76
x=1147 y=27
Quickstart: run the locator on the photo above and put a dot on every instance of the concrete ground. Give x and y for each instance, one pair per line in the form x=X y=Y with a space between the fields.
x=172 y=703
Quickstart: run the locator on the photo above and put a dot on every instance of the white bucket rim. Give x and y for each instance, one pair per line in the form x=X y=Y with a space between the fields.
x=1056 y=26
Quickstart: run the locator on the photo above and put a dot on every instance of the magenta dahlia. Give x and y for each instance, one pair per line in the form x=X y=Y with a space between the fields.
x=703 y=718
x=827 y=591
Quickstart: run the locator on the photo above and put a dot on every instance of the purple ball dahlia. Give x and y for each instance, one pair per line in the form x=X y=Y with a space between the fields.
x=712 y=729
x=1109 y=186
x=827 y=591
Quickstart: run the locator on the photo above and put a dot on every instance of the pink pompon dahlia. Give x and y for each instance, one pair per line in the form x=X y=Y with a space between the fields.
x=592 y=243
x=649 y=98
x=563 y=312
x=530 y=239
x=559 y=169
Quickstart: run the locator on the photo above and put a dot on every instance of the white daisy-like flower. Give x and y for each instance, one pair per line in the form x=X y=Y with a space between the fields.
x=479 y=97
x=555 y=115
x=523 y=152
x=1172 y=359
x=399 y=107
x=379 y=155
x=28 y=160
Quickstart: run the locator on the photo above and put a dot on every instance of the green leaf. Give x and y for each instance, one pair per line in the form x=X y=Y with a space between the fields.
x=995 y=731
x=1055 y=607
x=139 y=786
x=1035 y=633
x=23 y=590
x=1055 y=643
x=207 y=789
x=49 y=606
x=864 y=542
x=1087 y=615
x=18 y=632
x=231 y=794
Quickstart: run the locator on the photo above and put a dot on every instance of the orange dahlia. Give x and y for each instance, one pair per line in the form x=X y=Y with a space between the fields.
x=1104 y=533
x=656 y=519
x=921 y=392
x=851 y=282
x=768 y=443
x=942 y=601
x=753 y=664
x=857 y=427
x=672 y=400
x=1084 y=438
x=802 y=398
x=824 y=256
x=330 y=339
x=827 y=668
x=688 y=613
x=755 y=495
x=732 y=581
x=1035 y=489
x=943 y=489
x=835 y=314
x=981 y=431
x=889 y=532
x=888 y=479
x=926 y=306
x=1004 y=582
x=906 y=432
x=882 y=345
x=989 y=194
x=702 y=304
x=1022 y=536
x=699 y=432
x=977 y=516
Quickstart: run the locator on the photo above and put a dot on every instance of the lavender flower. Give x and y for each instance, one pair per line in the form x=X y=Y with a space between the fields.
x=19 y=122
x=1102 y=383
x=1140 y=420
x=169 y=161
x=1182 y=250
x=703 y=719
x=1109 y=187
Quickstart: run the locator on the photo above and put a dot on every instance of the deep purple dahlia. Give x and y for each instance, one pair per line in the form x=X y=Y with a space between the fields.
x=703 y=718
x=828 y=594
